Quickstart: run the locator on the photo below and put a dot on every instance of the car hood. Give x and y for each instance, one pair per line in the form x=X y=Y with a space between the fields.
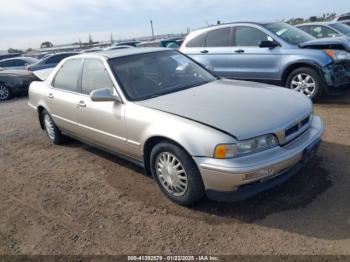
x=239 y=108
x=329 y=42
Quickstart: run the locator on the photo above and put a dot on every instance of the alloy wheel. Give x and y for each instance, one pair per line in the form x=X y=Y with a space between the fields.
x=304 y=83
x=4 y=93
x=49 y=126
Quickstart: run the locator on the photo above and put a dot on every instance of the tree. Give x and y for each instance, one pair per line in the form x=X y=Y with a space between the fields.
x=46 y=44
x=14 y=51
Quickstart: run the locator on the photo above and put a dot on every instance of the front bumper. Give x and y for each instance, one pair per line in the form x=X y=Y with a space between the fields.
x=337 y=75
x=240 y=178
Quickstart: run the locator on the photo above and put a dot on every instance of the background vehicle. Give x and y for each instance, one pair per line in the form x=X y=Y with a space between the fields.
x=18 y=62
x=130 y=43
x=163 y=111
x=272 y=52
x=167 y=43
x=92 y=50
x=325 y=29
x=14 y=82
x=50 y=61
x=344 y=18
x=118 y=47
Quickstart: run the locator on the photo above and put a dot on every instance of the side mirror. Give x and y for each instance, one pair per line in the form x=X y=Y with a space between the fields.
x=268 y=44
x=104 y=95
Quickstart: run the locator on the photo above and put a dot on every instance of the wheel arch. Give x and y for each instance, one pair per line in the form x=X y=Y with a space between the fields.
x=40 y=111
x=290 y=68
x=150 y=143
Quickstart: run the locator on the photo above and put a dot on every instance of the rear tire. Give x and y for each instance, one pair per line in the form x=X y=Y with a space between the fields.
x=52 y=131
x=306 y=81
x=5 y=93
x=176 y=174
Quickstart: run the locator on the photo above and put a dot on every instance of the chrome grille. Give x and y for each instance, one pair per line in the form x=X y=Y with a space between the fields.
x=293 y=131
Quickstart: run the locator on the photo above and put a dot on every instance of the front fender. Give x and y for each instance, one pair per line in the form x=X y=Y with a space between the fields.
x=196 y=138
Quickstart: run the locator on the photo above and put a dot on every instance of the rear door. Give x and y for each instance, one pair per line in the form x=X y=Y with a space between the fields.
x=64 y=96
x=249 y=60
x=101 y=123
x=218 y=51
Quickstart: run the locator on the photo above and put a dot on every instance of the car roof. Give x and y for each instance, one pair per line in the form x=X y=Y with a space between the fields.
x=235 y=23
x=124 y=52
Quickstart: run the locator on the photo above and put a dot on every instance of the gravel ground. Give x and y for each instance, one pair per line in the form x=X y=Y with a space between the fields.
x=75 y=199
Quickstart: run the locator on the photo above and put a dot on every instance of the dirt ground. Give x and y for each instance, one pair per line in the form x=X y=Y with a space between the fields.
x=75 y=199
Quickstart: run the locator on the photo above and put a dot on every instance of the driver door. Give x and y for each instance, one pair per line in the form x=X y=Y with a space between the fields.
x=101 y=123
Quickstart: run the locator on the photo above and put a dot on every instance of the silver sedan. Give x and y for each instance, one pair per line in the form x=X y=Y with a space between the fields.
x=195 y=133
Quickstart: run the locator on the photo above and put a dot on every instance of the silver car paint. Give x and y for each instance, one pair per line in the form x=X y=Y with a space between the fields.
x=242 y=109
x=125 y=127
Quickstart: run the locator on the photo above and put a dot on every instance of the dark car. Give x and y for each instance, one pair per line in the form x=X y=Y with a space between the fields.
x=130 y=43
x=344 y=18
x=50 y=61
x=18 y=62
x=14 y=82
x=167 y=43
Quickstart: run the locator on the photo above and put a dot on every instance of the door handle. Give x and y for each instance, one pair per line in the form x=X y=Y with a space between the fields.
x=50 y=96
x=239 y=51
x=204 y=51
x=81 y=104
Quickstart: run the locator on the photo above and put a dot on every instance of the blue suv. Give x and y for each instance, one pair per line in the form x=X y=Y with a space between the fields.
x=272 y=52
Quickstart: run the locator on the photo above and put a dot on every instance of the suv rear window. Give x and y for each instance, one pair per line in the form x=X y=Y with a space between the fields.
x=198 y=41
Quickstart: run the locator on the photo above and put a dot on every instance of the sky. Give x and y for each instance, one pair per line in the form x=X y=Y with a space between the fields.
x=28 y=23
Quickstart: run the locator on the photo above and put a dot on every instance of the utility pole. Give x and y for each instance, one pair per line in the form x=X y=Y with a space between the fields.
x=152 y=30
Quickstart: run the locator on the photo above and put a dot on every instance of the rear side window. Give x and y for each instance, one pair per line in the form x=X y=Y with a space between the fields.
x=304 y=28
x=19 y=62
x=57 y=58
x=95 y=76
x=197 y=41
x=67 y=77
x=8 y=63
x=54 y=59
x=322 y=31
x=219 y=38
x=250 y=36
x=345 y=17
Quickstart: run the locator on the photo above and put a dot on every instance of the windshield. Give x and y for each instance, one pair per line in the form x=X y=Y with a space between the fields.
x=144 y=76
x=342 y=28
x=289 y=33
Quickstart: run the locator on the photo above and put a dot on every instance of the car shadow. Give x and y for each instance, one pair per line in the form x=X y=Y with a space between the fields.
x=312 y=203
x=341 y=98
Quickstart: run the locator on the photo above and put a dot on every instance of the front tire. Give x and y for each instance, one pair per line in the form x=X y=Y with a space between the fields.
x=306 y=81
x=176 y=174
x=5 y=93
x=52 y=131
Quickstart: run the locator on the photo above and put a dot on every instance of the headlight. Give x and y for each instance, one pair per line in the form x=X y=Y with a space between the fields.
x=224 y=151
x=337 y=55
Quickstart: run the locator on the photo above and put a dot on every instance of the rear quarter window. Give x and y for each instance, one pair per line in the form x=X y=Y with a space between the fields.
x=198 y=41
x=67 y=77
